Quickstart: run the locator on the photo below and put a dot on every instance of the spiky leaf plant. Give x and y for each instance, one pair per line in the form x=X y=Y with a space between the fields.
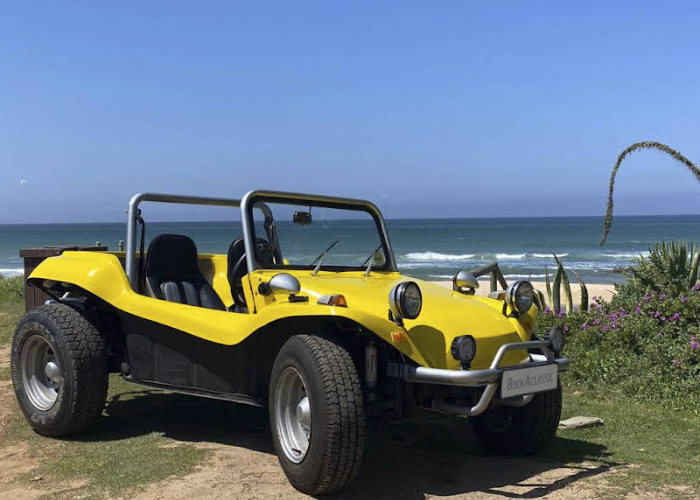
x=584 y=293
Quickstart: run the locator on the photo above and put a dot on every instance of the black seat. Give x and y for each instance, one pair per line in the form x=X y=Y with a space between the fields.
x=172 y=273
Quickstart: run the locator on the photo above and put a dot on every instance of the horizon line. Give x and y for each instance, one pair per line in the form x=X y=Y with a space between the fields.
x=501 y=217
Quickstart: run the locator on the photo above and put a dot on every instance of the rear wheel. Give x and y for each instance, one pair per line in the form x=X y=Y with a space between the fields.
x=317 y=414
x=524 y=430
x=59 y=370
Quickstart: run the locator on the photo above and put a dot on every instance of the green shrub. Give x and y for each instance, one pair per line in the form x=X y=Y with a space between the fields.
x=11 y=289
x=645 y=342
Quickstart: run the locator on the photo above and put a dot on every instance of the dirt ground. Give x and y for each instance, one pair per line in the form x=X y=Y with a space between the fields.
x=403 y=461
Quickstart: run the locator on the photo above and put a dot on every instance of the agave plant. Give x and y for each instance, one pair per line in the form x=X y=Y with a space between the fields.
x=634 y=147
x=672 y=267
x=554 y=288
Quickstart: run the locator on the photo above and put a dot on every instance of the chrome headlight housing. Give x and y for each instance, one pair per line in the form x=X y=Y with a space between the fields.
x=406 y=300
x=520 y=296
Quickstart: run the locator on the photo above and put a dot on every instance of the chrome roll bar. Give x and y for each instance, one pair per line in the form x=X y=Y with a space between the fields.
x=246 y=220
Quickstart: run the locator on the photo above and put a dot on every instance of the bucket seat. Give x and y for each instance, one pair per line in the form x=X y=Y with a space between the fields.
x=172 y=273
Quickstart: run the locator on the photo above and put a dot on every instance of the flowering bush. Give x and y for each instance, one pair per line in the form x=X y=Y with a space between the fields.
x=644 y=344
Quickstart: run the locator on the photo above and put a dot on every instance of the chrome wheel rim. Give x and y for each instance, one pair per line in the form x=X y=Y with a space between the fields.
x=41 y=372
x=293 y=415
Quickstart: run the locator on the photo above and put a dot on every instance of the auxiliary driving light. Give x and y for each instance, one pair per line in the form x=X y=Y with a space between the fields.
x=464 y=349
x=406 y=300
x=520 y=296
x=555 y=336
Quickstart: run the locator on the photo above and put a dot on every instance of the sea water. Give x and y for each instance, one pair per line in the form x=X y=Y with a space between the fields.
x=431 y=249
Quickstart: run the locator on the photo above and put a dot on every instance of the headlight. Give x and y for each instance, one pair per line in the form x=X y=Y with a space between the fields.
x=405 y=300
x=464 y=349
x=555 y=336
x=520 y=296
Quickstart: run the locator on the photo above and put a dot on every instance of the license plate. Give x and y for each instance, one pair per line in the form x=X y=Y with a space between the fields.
x=521 y=381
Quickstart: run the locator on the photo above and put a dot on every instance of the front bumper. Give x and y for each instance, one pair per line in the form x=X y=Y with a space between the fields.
x=488 y=378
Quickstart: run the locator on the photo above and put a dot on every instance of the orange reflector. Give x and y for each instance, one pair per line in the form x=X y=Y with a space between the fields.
x=398 y=337
x=333 y=300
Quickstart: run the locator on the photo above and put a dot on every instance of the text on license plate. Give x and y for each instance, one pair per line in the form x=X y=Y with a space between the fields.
x=521 y=381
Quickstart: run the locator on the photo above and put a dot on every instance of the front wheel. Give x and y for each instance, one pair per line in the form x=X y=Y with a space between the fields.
x=317 y=414
x=525 y=430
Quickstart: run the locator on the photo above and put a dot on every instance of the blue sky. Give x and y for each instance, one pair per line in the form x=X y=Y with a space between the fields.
x=431 y=108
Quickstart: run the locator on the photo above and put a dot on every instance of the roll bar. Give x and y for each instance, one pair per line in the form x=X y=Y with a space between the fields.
x=246 y=220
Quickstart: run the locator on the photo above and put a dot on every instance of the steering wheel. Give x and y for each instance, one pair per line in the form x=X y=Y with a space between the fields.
x=265 y=254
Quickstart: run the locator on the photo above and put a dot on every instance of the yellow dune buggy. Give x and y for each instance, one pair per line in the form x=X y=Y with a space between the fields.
x=307 y=314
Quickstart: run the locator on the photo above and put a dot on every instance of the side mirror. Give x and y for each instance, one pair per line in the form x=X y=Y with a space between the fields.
x=302 y=218
x=282 y=283
x=465 y=279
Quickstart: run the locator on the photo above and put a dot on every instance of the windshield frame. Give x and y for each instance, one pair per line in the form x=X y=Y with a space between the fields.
x=251 y=199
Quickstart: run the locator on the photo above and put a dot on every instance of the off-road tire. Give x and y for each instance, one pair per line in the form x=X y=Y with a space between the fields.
x=81 y=353
x=336 y=443
x=525 y=430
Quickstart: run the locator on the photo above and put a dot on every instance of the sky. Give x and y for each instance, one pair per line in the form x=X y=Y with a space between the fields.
x=428 y=108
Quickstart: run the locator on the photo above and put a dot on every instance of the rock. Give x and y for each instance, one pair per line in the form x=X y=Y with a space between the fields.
x=580 y=422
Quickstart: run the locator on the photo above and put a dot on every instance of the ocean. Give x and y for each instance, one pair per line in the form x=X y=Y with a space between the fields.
x=431 y=249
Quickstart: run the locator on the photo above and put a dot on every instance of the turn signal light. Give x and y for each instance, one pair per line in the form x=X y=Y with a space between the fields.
x=333 y=300
x=398 y=337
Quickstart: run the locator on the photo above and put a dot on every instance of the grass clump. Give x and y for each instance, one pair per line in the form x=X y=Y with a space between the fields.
x=11 y=289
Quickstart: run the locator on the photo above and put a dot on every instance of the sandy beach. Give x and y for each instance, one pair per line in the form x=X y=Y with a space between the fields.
x=604 y=290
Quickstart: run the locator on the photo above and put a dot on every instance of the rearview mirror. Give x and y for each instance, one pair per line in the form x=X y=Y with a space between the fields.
x=302 y=218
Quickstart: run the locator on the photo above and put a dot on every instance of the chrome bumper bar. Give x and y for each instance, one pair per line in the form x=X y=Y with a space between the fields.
x=489 y=377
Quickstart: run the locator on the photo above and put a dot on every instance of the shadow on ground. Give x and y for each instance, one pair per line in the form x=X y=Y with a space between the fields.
x=427 y=455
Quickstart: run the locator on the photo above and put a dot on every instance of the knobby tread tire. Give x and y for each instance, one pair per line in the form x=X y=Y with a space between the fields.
x=342 y=447
x=532 y=427
x=83 y=351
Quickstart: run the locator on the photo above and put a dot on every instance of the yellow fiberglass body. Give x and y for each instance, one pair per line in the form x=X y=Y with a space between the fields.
x=445 y=314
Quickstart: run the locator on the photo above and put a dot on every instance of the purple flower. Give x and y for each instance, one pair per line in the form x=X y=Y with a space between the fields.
x=638 y=310
x=606 y=328
x=684 y=299
x=662 y=296
x=613 y=317
x=561 y=314
x=547 y=310
x=566 y=328
x=676 y=316
x=694 y=345
x=676 y=362
x=657 y=314
x=623 y=314
x=663 y=318
x=596 y=321
x=595 y=299
x=647 y=298
x=613 y=324
x=696 y=287
x=585 y=326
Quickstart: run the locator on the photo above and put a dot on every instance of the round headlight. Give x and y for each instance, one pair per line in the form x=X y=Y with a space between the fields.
x=464 y=349
x=520 y=296
x=406 y=300
x=555 y=336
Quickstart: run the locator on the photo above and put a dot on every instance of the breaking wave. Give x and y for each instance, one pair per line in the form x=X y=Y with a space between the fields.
x=436 y=256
